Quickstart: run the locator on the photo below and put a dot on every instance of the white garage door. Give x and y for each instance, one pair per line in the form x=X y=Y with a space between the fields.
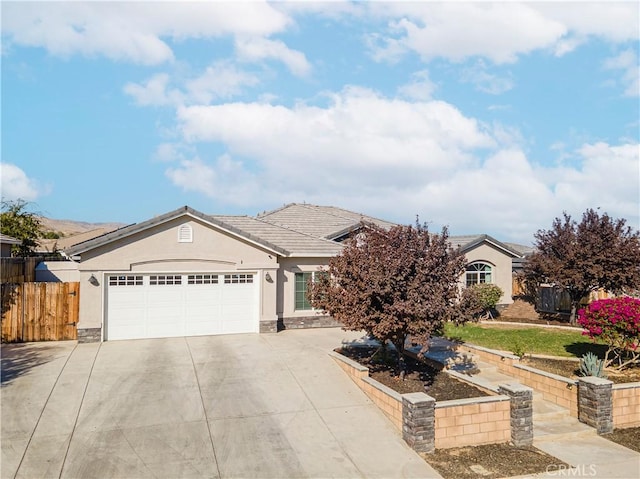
x=170 y=305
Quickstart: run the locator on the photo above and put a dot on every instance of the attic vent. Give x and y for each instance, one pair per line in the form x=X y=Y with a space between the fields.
x=185 y=234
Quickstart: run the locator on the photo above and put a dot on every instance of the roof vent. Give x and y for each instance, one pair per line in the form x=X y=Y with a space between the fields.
x=185 y=234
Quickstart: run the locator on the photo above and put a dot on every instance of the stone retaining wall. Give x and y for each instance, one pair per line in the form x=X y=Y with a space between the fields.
x=624 y=401
x=464 y=422
x=556 y=389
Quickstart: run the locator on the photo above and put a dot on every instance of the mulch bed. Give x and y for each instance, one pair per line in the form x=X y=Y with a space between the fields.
x=419 y=376
x=491 y=461
x=629 y=437
x=543 y=320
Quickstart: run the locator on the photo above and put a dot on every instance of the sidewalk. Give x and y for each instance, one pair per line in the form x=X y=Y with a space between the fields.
x=555 y=431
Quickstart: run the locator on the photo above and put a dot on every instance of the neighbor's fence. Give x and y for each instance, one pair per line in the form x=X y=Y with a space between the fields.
x=40 y=311
x=18 y=270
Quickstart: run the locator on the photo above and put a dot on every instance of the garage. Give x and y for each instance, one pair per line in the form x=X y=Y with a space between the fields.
x=162 y=305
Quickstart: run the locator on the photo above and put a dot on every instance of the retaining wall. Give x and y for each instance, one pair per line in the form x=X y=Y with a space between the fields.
x=626 y=405
x=555 y=389
x=463 y=422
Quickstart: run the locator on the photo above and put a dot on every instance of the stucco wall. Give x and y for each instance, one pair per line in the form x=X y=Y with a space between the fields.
x=286 y=277
x=501 y=264
x=158 y=250
x=57 y=271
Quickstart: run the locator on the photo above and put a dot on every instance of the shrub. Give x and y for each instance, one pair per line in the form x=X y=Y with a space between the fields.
x=590 y=365
x=481 y=299
x=616 y=322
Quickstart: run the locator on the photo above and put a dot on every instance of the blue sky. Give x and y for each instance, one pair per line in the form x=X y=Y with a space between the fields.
x=486 y=117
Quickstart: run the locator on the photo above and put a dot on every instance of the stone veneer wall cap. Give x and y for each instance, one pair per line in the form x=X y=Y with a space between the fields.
x=349 y=361
x=493 y=351
x=467 y=401
x=546 y=374
x=514 y=387
x=381 y=387
x=414 y=398
x=626 y=385
x=596 y=381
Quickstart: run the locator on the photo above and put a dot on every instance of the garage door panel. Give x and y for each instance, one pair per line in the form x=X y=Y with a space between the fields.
x=171 y=305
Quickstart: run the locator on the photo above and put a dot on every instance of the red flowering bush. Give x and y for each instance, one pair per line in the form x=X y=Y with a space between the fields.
x=616 y=322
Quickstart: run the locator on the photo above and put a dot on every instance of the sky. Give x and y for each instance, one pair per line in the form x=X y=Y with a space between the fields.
x=485 y=117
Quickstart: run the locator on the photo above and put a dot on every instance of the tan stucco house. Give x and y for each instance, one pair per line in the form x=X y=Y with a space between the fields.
x=185 y=273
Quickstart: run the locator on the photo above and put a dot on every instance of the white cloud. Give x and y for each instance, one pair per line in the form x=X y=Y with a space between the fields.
x=457 y=31
x=225 y=180
x=17 y=185
x=360 y=133
x=221 y=80
x=627 y=61
x=363 y=149
x=499 y=32
x=484 y=81
x=132 y=31
x=154 y=92
x=419 y=88
x=257 y=49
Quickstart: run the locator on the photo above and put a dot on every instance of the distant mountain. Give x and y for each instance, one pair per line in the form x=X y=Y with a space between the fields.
x=71 y=228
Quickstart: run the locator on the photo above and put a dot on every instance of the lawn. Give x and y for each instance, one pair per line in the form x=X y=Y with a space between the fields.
x=519 y=340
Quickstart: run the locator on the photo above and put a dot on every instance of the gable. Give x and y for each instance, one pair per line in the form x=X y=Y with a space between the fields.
x=167 y=242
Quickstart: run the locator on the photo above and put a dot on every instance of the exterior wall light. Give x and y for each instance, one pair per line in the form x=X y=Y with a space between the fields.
x=93 y=280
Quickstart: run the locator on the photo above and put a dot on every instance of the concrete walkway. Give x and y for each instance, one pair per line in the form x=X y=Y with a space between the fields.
x=555 y=431
x=242 y=406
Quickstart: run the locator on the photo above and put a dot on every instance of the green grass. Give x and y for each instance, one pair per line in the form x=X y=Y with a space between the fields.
x=518 y=340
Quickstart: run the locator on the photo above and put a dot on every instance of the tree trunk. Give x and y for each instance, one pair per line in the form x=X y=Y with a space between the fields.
x=574 y=310
x=402 y=367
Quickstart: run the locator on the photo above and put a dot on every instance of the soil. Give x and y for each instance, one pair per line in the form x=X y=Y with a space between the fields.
x=419 y=376
x=571 y=369
x=491 y=461
x=629 y=437
x=547 y=320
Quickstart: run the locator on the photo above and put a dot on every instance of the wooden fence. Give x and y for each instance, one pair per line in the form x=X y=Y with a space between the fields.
x=18 y=270
x=40 y=311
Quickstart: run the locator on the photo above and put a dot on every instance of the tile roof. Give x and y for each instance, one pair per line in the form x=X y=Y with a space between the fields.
x=292 y=243
x=467 y=242
x=280 y=240
x=319 y=221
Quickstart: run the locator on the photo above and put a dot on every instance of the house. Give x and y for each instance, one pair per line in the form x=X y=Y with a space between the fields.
x=6 y=244
x=185 y=273
x=488 y=261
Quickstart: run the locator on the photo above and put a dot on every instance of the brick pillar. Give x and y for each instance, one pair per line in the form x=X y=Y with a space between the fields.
x=595 y=403
x=419 y=421
x=521 y=412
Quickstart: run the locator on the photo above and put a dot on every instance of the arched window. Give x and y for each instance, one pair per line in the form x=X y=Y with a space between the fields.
x=478 y=273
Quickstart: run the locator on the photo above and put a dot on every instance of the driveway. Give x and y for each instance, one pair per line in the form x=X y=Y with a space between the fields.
x=245 y=406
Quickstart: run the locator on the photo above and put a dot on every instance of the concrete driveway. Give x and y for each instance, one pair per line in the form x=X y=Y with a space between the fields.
x=245 y=406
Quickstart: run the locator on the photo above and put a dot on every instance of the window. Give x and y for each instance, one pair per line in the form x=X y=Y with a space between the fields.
x=125 y=280
x=185 y=234
x=302 y=280
x=238 y=278
x=202 y=279
x=165 y=279
x=478 y=273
